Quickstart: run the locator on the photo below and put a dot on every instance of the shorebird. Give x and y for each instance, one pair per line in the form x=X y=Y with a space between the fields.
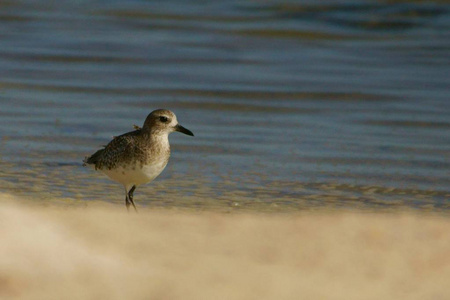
x=138 y=156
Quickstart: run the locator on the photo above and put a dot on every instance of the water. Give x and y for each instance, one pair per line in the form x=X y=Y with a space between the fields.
x=295 y=105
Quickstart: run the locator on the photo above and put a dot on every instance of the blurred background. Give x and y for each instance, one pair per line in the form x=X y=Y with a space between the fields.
x=295 y=105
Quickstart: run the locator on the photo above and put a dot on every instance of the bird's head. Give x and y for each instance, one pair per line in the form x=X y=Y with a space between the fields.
x=163 y=121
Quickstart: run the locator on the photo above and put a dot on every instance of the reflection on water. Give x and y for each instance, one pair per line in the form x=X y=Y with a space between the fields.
x=294 y=106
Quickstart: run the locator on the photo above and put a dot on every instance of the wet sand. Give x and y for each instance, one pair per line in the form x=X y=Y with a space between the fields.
x=100 y=251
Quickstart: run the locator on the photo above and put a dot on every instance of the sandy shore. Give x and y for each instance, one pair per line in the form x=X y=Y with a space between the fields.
x=102 y=252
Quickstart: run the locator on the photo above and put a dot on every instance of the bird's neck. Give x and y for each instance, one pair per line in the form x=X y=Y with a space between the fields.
x=158 y=138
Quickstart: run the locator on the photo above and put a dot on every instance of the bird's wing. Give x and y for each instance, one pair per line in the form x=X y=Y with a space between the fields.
x=113 y=153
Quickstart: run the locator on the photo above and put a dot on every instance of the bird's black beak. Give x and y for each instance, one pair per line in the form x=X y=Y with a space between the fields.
x=183 y=130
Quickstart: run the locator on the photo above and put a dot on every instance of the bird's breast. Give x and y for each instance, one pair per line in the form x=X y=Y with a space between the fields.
x=136 y=173
x=151 y=171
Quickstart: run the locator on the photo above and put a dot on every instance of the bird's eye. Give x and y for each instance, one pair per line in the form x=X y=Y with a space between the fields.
x=163 y=119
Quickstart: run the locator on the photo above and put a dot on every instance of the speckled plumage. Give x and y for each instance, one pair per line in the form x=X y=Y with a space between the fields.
x=128 y=149
x=139 y=156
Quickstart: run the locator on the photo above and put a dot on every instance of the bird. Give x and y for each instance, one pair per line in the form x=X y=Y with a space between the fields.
x=139 y=156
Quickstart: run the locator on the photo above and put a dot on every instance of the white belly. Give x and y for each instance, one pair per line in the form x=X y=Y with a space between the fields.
x=136 y=175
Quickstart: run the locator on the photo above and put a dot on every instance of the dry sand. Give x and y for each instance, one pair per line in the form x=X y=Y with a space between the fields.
x=102 y=252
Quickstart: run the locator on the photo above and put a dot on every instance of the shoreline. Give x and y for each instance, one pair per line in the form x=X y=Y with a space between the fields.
x=101 y=251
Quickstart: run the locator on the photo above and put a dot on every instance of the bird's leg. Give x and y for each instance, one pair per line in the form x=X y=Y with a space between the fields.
x=130 y=197
x=127 y=201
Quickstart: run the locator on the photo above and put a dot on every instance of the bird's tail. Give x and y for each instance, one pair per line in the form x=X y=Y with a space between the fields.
x=93 y=159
